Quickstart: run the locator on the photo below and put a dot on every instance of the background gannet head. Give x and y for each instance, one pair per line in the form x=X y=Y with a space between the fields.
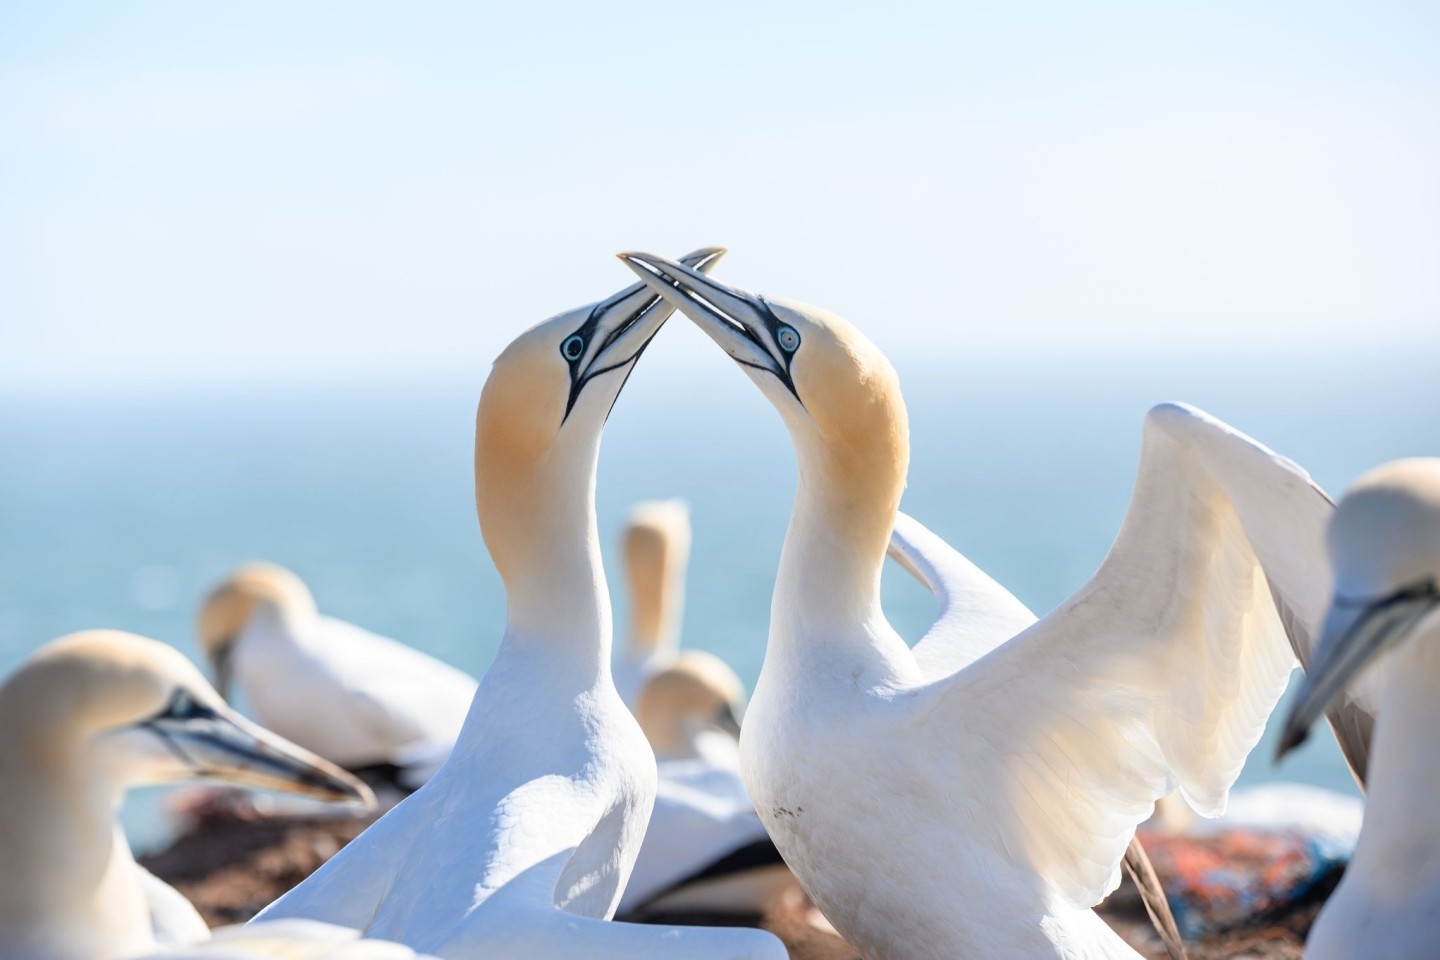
x=541 y=413
x=698 y=693
x=836 y=391
x=125 y=711
x=656 y=545
x=224 y=613
x=1384 y=542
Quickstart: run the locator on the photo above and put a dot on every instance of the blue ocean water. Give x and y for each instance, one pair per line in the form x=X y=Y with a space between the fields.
x=119 y=508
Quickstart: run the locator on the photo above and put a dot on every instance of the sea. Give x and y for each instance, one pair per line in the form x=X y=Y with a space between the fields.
x=121 y=505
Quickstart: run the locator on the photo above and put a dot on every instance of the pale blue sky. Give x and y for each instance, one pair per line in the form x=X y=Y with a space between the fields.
x=244 y=192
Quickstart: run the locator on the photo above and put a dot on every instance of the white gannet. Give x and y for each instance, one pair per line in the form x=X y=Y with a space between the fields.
x=521 y=844
x=366 y=702
x=82 y=720
x=656 y=547
x=1384 y=617
x=705 y=851
x=974 y=797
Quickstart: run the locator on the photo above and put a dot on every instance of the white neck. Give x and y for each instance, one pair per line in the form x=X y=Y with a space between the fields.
x=827 y=590
x=70 y=887
x=1399 y=848
x=558 y=604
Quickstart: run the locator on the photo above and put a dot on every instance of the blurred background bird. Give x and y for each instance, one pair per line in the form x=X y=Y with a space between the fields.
x=83 y=720
x=379 y=708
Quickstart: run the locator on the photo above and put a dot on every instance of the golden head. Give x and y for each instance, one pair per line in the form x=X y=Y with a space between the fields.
x=543 y=408
x=696 y=693
x=231 y=604
x=128 y=710
x=1384 y=542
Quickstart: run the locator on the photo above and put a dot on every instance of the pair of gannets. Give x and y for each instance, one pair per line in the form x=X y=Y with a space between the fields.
x=368 y=703
x=1383 y=632
x=521 y=844
x=705 y=850
x=975 y=796
x=84 y=719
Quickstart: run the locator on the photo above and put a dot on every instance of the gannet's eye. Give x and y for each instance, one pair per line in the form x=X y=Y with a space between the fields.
x=182 y=706
x=789 y=339
x=572 y=347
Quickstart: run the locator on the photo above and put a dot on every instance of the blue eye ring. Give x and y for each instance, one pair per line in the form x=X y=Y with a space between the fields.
x=573 y=347
x=788 y=338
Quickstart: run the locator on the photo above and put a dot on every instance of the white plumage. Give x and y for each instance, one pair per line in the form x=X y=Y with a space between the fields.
x=521 y=844
x=356 y=698
x=999 y=780
x=288 y=940
x=705 y=849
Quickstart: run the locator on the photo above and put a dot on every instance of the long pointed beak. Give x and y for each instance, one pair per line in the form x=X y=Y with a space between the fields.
x=224 y=667
x=224 y=746
x=1354 y=635
x=622 y=326
x=742 y=324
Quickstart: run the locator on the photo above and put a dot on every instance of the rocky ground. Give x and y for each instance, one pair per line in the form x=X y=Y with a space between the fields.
x=231 y=864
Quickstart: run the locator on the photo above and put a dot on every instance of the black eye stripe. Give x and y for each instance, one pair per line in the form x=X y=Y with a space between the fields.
x=580 y=375
x=182 y=706
x=774 y=325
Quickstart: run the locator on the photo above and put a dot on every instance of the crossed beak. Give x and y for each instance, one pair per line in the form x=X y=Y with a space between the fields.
x=743 y=324
x=620 y=327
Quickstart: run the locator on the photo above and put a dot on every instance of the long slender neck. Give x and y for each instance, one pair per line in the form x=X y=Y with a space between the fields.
x=70 y=885
x=541 y=529
x=827 y=590
x=654 y=600
x=1399 y=848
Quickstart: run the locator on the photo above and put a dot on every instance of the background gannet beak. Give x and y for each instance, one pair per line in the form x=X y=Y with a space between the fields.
x=223 y=664
x=741 y=323
x=726 y=720
x=622 y=326
x=221 y=745
x=1355 y=633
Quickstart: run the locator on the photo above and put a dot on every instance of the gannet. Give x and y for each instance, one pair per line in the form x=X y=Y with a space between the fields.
x=656 y=547
x=1384 y=616
x=366 y=702
x=521 y=844
x=975 y=796
x=82 y=720
x=705 y=850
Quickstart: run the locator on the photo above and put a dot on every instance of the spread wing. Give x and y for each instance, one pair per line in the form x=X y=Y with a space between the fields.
x=1161 y=671
x=976 y=614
